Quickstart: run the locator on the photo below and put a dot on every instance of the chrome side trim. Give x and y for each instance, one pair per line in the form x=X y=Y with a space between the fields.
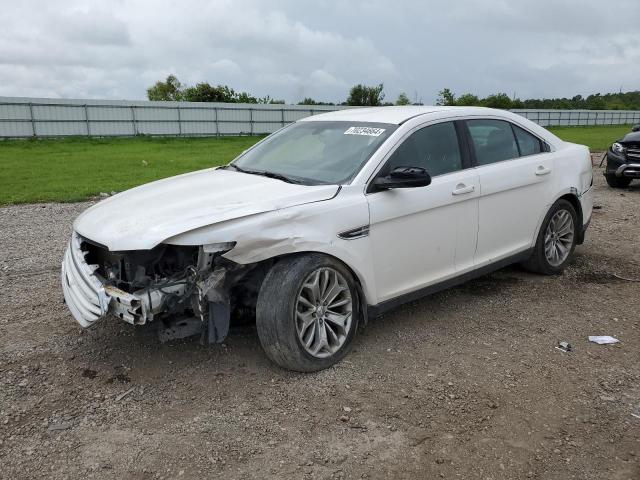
x=354 y=233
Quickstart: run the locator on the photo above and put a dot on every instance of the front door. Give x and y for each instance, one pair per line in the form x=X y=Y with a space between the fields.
x=420 y=236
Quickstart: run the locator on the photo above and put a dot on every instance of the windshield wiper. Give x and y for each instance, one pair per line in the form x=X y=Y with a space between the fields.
x=277 y=176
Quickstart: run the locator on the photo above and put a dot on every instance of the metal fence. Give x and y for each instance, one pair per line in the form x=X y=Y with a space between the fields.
x=20 y=117
x=553 y=118
x=27 y=117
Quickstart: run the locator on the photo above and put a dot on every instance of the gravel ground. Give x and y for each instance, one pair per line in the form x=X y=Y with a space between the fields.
x=463 y=384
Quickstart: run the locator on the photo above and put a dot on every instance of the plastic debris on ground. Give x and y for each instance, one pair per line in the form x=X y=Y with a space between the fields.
x=603 y=339
x=564 y=346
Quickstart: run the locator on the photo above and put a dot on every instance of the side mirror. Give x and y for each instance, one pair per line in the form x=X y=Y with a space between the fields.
x=636 y=128
x=403 y=177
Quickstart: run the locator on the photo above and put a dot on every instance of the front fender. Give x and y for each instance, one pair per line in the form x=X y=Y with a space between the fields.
x=311 y=227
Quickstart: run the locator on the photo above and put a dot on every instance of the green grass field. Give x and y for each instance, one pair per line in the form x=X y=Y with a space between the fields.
x=75 y=169
x=597 y=138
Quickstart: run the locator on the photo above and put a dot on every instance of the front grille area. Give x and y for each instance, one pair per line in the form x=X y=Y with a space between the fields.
x=633 y=153
x=84 y=292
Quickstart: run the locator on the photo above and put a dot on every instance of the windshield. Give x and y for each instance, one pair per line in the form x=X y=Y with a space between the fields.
x=315 y=153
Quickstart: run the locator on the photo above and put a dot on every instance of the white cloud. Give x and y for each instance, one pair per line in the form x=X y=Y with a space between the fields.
x=290 y=49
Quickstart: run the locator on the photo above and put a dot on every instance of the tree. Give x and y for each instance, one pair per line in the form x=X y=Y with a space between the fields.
x=403 y=99
x=363 y=95
x=597 y=101
x=172 y=89
x=244 y=97
x=499 y=100
x=446 y=97
x=169 y=90
x=203 y=92
x=468 y=100
x=271 y=101
x=311 y=101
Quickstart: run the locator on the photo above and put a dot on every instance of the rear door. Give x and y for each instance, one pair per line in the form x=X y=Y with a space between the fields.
x=515 y=173
x=420 y=236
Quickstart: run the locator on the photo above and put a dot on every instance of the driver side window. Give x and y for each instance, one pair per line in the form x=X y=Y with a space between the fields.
x=434 y=148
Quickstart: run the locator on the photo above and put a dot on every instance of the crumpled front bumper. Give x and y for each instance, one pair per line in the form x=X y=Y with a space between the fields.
x=84 y=291
x=90 y=298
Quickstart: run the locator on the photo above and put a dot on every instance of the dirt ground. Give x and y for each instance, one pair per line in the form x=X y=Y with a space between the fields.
x=463 y=384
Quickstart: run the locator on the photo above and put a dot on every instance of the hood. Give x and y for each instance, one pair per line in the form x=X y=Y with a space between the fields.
x=633 y=137
x=141 y=218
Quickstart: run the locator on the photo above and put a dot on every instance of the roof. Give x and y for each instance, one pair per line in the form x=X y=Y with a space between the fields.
x=397 y=115
x=394 y=114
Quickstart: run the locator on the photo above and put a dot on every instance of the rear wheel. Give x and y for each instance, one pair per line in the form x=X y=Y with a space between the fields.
x=307 y=312
x=617 y=182
x=556 y=240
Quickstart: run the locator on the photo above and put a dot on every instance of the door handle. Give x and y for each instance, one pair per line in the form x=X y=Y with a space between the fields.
x=542 y=170
x=461 y=189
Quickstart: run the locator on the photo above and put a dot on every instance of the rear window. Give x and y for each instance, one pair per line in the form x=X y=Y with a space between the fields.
x=493 y=141
x=529 y=144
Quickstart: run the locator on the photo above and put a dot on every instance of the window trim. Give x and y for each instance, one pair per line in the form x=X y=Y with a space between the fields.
x=545 y=148
x=463 y=146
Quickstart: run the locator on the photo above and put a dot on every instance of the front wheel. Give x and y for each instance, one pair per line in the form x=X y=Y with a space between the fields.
x=307 y=312
x=556 y=240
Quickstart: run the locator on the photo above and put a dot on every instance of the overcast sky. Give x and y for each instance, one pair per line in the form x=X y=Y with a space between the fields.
x=292 y=49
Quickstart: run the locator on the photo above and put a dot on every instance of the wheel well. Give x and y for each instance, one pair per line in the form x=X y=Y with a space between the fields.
x=575 y=201
x=362 y=300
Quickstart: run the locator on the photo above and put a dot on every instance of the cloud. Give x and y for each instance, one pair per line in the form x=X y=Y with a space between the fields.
x=93 y=26
x=291 y=49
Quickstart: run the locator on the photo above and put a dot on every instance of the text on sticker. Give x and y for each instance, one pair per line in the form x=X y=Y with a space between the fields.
x=370 y=131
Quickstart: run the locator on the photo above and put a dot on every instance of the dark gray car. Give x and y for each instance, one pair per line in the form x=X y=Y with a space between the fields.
x=623 y=160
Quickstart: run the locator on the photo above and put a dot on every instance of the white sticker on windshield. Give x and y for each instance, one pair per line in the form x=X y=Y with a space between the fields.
x=369 y=131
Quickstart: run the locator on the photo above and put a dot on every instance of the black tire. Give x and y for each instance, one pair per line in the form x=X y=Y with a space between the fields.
x=617 y=182
x=276 y=317
x=538 y=261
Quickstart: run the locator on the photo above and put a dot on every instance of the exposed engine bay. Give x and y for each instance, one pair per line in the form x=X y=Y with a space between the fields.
x=177 y=286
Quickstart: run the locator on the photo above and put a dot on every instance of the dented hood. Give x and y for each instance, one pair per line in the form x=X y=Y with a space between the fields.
x=143 y=217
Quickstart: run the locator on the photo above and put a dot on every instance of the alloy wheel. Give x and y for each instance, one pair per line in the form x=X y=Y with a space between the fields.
x=324 y=310
x=558 y=238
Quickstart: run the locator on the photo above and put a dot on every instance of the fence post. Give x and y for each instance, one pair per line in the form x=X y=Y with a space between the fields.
x=86 y=118
x=33 y=123
x=179 y=121
x=282 y=115
x=217 y=122
x=251 y=120
x=311 y=112
x=133 y=120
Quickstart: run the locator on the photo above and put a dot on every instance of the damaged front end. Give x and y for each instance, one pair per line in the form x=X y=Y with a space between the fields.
x=169 y=284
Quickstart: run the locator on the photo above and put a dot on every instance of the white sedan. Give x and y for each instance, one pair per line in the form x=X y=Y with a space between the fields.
x=329 y=221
